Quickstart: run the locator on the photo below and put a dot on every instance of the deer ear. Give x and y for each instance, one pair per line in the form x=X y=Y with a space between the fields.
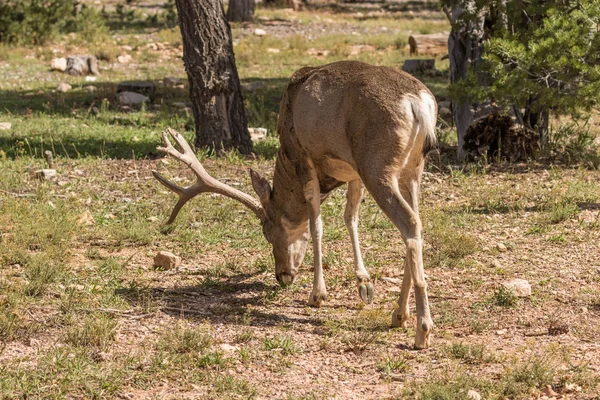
x=261 y=187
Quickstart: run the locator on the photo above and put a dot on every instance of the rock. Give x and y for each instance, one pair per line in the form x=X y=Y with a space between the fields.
x=82 y=65
x=252 y=86
x=90 y=79
x=124 y=59
x=496 y=264
x=179 y=104
x=58 y=64
x=228 y=348
x=5 y=126
x=317 y=52
x=501 y=247
x=145 y=87
x=444 y=112
x=444 y=103
x=132 y=99
x=520 y=287
x=86 y=219
x=273 y=50
x=63 y=87
x=257 y=134
x=90 y=88
x=171 y=81
x=127 y=48
x=260 y=32
x=361 y=48
x=167 y=260
x=473 y=395
x=45 y=174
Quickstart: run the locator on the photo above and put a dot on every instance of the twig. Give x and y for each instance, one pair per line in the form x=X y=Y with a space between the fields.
x=17 y=194
x=531 y=334
x=185 y=311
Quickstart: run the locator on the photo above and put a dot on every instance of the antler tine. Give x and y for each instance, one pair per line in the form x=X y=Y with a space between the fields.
x=204 y=183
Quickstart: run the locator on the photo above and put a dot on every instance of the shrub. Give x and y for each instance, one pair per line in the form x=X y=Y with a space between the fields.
x=33 y=21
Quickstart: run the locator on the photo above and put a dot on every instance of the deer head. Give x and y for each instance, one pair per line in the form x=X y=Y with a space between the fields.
x=288 y=239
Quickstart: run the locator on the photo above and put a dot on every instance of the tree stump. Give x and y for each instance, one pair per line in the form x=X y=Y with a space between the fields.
x=418 y=66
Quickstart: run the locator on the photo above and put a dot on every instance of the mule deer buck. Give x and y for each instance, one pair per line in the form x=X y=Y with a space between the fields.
x=342 y=122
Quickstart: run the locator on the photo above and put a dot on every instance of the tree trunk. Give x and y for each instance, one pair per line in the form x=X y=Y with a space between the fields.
x=240 y=10
x=464 y=50
x=214 y=83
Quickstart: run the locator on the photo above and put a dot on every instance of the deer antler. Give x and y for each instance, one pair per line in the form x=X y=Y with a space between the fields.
x=205 y=182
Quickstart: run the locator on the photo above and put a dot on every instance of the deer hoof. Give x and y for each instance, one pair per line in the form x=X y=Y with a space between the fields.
x=317 y=299
x=400 y=319
x=365 y=291
x=424 y=327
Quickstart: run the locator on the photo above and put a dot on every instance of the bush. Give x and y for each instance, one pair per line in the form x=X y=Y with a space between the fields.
x=33 y=21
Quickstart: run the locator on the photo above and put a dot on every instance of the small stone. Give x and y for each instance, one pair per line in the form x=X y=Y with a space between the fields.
x=501 y=247
x=34 y=342
x=90 y=88
x=63 y=87
x=260 y=32
x=171 y=81
x=132 y=99
x=473 y=395
x=167 y=260
x=5 y=126
x=520 y=287
x=58 y=64
x=496 y=264
x=127 y=48
x=124 y=59
x=45 y=174
x=86 y=219
x=152 y=219
x=90 y=78
x=273 y=50
x=501 y=332
x=257 y=134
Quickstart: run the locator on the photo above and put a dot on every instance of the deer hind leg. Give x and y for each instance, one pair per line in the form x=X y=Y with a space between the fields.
x=313 y=196
x=389 y=198
x=353 y=196
x=409 y=189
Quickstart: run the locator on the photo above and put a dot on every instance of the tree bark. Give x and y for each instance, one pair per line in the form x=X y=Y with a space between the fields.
x=214 y=83
x=465 y=50
x=240 y=10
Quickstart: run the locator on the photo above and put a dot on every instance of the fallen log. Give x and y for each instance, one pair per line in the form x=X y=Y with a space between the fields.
x=432 y=44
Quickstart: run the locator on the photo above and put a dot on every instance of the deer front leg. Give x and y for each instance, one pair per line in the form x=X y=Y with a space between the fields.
x=353 y=196
x=313 y=197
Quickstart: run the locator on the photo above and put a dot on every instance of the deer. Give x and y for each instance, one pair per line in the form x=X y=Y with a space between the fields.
x=345 y=122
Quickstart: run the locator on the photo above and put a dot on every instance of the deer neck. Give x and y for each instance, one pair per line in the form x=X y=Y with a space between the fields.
x=288 y=194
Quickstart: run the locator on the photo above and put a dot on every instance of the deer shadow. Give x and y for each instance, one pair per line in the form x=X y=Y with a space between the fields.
x=232 y=301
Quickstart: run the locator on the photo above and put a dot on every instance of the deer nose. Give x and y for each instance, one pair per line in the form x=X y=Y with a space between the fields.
x=284 y=279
